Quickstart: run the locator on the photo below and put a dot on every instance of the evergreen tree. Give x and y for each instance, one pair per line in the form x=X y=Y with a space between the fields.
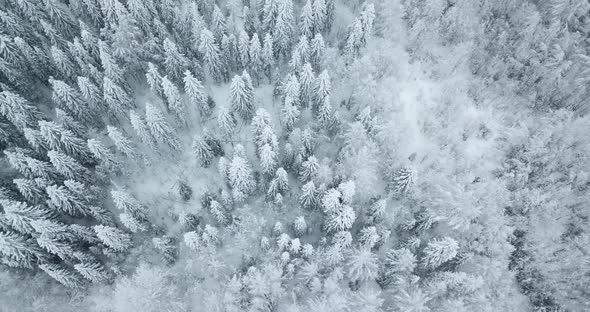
x=290 y=113
x=126 y=42
x=203 y=151
x=323 y=87
x=50 y=32
x=240 y=177
x=63 y=63
x=159 y=127
x=283 y=29
x=173 y=99
x=367 y=19
x=197 y=24
x=38 y=168
x=229 y=52
x=67 y=166
x=439 y=251
x=112 y=10
x=133 y=224
x=89 y=40
x=154 y=79
x=317 y=51
x=141 y=129
x=412 y=300
x=122 y=142
x=369 y=237
x=191 y=239
x=218 y=25
x=270 y=11
x=354 y=42
x=268 y=58
x=330 y=14
x=196 y=93
x=113 y=237
x=19 y=215
x=91 y=94
x=56 y=247
x=331 y=202
x=35 y=139
x=158 y=28
x=68 y=98
x=92 y=271
x=64 y=200
x=309 y=197
x=218 y=212
x=175 y=62
x=37 y=59
x=18 y=250
x=102 y=153
x=212 y=56
x=116 y=98
x=307 y=84
x=226 y=121
x=268 y=158
x=320 y=11
x=29 y=189
x=52 y=229
x=300 y=226
x=128 y=204
x=28 y=166
x=263 y=130
x=210 y=235
x=112 y=70
x=68 y=122
x=81 y=57
x=377 y=212
x=347 y=190
x=166 y=246
x=251 y=13
x=362 y=265
x=140 y=11
x=241 y=95
x=17 y=110
x=300 y=54
x=61 y=274
x=58 y=138
x=244 y=49
x=17 y=160
x=309 y=169
x=256 y=62
x=279 y=184
x=292 y=90
x=341 y=219
x=307 y=19
x=13 y=25
x=402 y=181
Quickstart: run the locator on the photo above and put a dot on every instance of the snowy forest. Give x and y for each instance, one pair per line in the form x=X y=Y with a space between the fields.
x=294 y=155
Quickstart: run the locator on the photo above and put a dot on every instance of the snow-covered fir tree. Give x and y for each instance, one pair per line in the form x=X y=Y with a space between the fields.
x=113 y=237
x=241 y=96
x=240 y=177
x=122 y=142
x=173 y=99
x=159 y=127
x=193 y=87
x=210 y=50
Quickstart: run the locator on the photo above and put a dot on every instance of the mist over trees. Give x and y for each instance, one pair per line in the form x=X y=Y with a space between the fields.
x=294 y=155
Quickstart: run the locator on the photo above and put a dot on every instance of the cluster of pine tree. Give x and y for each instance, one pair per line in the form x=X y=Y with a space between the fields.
x=92 y=57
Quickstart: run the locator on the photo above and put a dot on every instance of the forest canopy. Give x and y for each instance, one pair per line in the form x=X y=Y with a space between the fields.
x=294 y=155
